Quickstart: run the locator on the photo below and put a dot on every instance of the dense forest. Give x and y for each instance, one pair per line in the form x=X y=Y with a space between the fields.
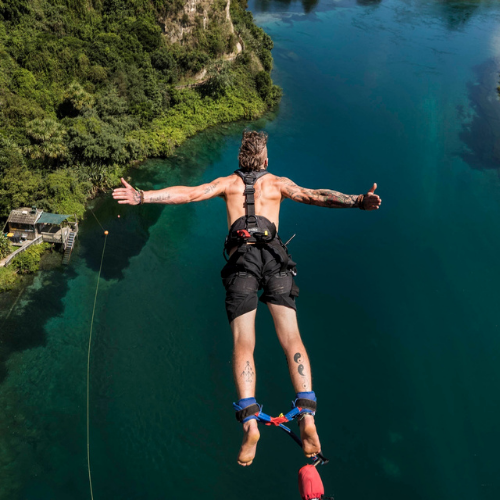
x=89 y=87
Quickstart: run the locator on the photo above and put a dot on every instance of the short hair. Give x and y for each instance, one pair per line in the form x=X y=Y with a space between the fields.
x=252 y=146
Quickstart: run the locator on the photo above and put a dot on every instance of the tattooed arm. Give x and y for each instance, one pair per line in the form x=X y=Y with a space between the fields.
x=329 y=198
x=175 y=195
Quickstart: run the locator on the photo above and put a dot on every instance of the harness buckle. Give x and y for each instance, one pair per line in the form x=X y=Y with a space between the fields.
x=249 y=179
x=243 y=233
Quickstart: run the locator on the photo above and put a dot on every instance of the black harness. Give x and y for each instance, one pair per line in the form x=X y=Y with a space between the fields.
x=251 y=228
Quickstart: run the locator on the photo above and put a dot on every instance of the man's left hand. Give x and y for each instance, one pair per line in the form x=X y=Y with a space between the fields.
x=371 y=200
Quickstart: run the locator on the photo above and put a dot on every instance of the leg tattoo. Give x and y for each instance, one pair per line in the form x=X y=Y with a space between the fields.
x=248 y=373
x=298 y=359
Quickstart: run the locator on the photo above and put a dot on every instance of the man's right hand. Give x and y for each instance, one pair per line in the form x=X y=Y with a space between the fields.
x=127 y=195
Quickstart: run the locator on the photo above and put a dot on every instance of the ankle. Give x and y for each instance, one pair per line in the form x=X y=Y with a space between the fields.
x=250 y=424
x=306 y=419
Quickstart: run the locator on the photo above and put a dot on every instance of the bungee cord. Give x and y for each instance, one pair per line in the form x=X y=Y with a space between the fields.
x=88 y=361
x=97 y=218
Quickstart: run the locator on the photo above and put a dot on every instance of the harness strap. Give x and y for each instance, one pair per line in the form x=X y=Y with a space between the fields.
x=250 y=178
x=255 y=411
x=306 y=404
x=280 y=250
x=242 y=414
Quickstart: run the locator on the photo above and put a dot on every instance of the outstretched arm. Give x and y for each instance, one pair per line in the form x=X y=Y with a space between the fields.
x=175 y=195
x=329 y=198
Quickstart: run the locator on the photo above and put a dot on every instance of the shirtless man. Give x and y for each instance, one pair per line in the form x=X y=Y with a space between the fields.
x=258 y=260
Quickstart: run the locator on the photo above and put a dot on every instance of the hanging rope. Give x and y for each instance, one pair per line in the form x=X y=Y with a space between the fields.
x=96 y=218
x=88 y=362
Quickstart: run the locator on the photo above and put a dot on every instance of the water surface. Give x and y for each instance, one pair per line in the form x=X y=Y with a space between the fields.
x=398 y=308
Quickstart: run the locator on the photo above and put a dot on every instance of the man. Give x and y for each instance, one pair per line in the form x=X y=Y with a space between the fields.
x=258 y=259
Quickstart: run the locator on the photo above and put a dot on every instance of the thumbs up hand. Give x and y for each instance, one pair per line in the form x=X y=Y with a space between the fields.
x=371 y=201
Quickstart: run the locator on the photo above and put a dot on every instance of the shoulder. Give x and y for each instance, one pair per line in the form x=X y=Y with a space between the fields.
x=224 y=181
x=283 y=182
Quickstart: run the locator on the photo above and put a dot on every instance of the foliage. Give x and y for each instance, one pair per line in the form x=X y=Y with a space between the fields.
x=7 y=278
x=46 y=140
x=65 y=193
x=268 y=92
x=27 y=262
x=87 y=88
x=219 y=82
x=19 y=187
x=4 y=246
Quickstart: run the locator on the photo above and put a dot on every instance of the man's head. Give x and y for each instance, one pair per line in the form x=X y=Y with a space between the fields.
x=253 y=151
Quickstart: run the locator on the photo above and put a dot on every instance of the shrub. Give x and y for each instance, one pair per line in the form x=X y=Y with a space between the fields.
x=267 y=59
x=4 y=246
x=263 y=83
x=162 y=60
x=219 y=83
x=28 y=261
x=148 y=34
x=7 y=278
x=268 y=92
x=231 y=43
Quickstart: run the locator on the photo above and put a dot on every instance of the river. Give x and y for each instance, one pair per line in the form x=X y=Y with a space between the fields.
x=398 y=308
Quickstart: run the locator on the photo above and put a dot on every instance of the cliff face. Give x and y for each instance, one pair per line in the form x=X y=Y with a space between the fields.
x=199 y=19
x=89 y=86
x=197 y=14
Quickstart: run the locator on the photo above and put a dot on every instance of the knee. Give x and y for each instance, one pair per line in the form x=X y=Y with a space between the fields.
x=244 y=348
x=291 y=340
x=244 y=340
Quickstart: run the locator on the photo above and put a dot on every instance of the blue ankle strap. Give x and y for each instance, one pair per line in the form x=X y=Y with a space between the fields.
x=247 y=409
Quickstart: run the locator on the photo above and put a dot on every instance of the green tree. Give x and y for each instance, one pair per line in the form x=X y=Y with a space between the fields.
x=65 y=193
x=219 y=82
x=47 y=140
x=267 y=59
x=76 y=101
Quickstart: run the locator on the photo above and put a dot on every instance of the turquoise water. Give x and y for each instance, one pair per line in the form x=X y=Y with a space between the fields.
x=398 y=308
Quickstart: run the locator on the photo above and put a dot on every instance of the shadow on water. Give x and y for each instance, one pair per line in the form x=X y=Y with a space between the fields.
x=481 y=131
x=458 y=12
x=307 y=5
x=22 y=327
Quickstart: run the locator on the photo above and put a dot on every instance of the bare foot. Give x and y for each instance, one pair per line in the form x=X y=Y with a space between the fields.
x=249 y=445
x=309 y=435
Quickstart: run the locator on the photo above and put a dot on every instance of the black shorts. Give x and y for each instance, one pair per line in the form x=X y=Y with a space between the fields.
x=257 y=268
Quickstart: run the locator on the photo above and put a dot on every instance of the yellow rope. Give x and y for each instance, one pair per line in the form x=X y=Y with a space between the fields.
x=88 y=366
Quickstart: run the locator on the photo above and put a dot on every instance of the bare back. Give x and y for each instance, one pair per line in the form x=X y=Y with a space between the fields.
x=268 y=198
